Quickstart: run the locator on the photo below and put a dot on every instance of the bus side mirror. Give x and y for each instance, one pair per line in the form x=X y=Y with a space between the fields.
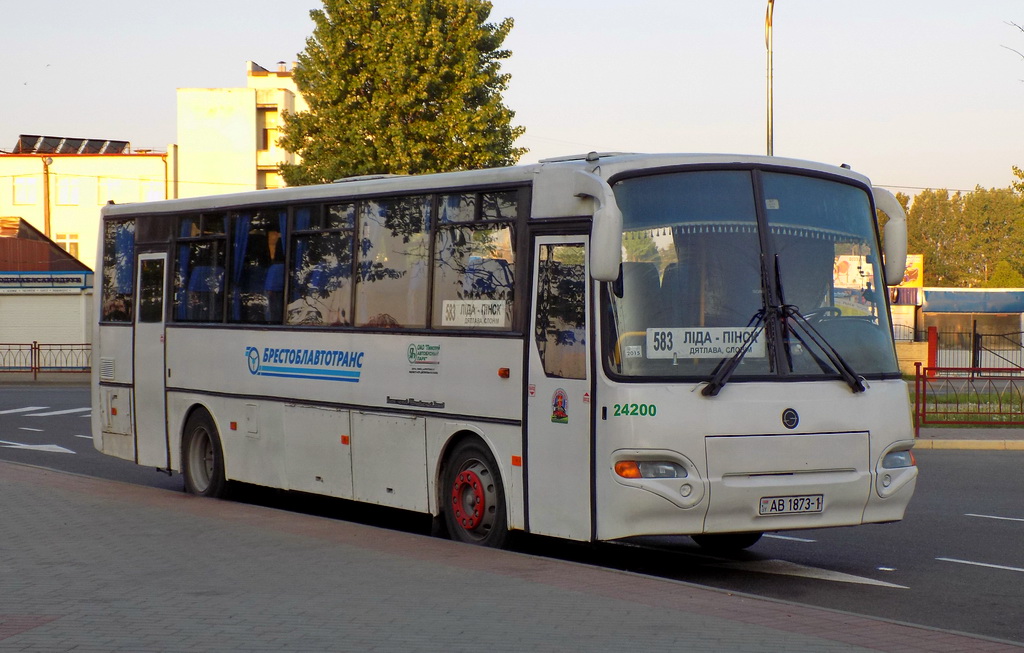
x=606 y=231
x=895 y=235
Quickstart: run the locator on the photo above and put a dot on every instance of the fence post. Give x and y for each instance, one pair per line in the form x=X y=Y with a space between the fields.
x=916 y=399
x=933 y=348
x=975 y=346
x=34 y=360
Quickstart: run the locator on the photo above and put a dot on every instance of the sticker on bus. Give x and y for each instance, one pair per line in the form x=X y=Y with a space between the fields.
x=703 y=342
x=474 y=313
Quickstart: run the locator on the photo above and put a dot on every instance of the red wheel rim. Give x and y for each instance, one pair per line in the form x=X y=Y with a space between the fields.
x=468 y=503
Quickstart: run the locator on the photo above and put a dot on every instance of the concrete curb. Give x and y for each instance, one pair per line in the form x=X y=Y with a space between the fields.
x=976 y=445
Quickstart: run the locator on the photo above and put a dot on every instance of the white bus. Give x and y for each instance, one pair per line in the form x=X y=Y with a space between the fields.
x=591 y=348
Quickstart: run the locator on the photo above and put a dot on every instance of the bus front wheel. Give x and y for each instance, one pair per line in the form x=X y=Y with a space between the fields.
x=474 y=498
x=202 y=458
x=726 y=542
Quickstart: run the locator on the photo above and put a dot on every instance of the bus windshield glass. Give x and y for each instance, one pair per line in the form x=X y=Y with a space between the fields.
x=780 y=272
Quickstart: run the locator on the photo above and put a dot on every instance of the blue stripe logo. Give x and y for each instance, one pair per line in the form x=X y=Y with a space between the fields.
x=317 y=364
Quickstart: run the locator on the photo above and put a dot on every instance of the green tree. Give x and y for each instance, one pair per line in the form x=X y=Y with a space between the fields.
x=401 y=87
x=1019 y=174
x=1004 y=276
x=934 y=229
x=993 y=220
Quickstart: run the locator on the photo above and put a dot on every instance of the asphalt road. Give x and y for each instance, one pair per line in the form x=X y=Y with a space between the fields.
x=956 y=562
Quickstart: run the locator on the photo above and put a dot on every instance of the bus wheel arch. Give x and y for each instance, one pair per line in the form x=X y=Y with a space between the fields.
x=202 y=455
x=472 y=498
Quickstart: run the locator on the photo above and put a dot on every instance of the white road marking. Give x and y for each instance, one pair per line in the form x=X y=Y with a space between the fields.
x=28 y=409
x=25 y=428
x=51 y=448
x=60 y=412
x=789 y=538
x=981 y=564
x=784 y=568
x=87 y=437
x=994 y=517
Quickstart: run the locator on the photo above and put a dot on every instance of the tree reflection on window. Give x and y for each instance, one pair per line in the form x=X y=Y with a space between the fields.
x=561 y=327
x=118 y=266
x=474 y=261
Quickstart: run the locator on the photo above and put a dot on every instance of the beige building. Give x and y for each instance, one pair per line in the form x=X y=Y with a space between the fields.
x=227 y=142
x=60 y=192
x=227 y=137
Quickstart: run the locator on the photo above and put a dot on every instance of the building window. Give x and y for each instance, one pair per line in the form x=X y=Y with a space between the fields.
x=266 y=128
x=68 y=191
x=68 y=242
x=25 y=190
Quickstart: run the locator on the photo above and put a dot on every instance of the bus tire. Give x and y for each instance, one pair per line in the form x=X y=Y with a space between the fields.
x=474 y=497
x=202 y=457
x=726 y=542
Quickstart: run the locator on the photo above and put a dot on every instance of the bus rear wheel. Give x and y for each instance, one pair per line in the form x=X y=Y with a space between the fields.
x=202 y=458
x=726 y=542
x=474 y=497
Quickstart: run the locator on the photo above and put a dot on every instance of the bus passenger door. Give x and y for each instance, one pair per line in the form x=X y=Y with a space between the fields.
x=558 y=448
x=149 y=362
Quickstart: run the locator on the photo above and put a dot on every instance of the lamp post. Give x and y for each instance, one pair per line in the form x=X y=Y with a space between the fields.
x=46 y=195
x=768 y=46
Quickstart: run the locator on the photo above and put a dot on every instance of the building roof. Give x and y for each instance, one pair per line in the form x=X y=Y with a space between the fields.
x=23 y=248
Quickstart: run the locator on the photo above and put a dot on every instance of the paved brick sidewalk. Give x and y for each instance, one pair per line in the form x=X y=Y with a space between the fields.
x=93 y=565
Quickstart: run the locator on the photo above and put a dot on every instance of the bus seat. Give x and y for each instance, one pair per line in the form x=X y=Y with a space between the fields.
x=640 y=307
x=273 y=288
x=274 y=281
x=206 y=278
x=680 y=304
x=205 y=289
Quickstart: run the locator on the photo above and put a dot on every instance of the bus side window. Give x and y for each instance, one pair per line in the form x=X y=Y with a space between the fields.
x=561 y=328
x=257 y=266
x=320 y=276
x=394 y=262
x=473 y=277
x=199 y=269
x=118 y=270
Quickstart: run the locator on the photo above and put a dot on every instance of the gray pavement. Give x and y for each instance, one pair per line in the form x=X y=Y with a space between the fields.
x=96 y=565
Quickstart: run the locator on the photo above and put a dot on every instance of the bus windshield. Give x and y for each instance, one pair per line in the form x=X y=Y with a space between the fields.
x=779 y=272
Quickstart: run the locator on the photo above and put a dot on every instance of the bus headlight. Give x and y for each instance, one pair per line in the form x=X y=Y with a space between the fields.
x=649 y=469
x=896 y=470
x=899 y=459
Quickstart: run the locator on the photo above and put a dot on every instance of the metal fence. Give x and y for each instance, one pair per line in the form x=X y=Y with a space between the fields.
x=968 y=395
x=35 y=358
x=969 y=348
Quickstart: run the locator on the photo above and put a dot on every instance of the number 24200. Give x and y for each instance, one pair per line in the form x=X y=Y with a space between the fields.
x=634 y=410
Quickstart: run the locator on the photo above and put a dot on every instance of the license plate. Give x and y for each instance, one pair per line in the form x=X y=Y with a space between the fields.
x=804 y=503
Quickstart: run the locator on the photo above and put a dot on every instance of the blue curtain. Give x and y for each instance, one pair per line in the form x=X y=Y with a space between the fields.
x=239 y=243
x=124 y=248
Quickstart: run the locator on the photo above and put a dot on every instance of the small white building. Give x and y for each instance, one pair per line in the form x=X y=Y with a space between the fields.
x=45 y=294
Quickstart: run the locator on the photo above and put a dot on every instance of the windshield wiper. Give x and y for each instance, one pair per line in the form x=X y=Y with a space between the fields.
x=727 y=366
x=855 y=381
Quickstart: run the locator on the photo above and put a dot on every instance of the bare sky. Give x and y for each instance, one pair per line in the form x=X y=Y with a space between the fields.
x=914 y=93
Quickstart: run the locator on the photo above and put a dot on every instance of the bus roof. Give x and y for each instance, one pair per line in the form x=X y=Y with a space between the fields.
x=548 y=173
